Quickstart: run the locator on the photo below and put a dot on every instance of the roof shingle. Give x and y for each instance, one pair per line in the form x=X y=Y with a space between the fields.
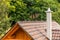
x=37 y=29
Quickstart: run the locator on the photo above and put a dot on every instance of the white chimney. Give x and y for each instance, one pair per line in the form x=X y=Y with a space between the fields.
x=49 y=24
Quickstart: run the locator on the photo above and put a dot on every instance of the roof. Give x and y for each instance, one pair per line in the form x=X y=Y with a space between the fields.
x=37 y=29
x=56 y=34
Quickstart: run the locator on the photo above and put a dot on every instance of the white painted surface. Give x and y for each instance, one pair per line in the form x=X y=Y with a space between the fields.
x=49 y=24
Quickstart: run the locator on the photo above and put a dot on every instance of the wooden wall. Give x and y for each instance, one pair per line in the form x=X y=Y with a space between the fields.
x=19 y=34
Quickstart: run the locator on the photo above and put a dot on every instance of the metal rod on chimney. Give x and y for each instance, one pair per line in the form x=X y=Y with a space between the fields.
x=49 y=24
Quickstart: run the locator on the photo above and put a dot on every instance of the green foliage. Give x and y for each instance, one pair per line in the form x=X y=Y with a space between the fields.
x=4 y=20
x=29 y=9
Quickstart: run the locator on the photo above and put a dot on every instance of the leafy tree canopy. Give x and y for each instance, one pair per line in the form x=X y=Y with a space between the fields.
x=28 y=9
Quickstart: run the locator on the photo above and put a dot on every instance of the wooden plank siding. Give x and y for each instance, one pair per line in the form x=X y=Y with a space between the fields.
x=16 y=33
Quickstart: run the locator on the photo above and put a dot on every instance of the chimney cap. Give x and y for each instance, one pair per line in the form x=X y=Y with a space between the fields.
x=49 y=10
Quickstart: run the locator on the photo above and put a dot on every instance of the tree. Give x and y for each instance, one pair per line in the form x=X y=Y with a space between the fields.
x=28 y=9
x=4 y=20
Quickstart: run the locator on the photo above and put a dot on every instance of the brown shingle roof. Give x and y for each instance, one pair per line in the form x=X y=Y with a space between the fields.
x=56 y=34
x=37 y=29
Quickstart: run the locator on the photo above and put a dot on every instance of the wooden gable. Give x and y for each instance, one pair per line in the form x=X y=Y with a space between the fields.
x=17 y=33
